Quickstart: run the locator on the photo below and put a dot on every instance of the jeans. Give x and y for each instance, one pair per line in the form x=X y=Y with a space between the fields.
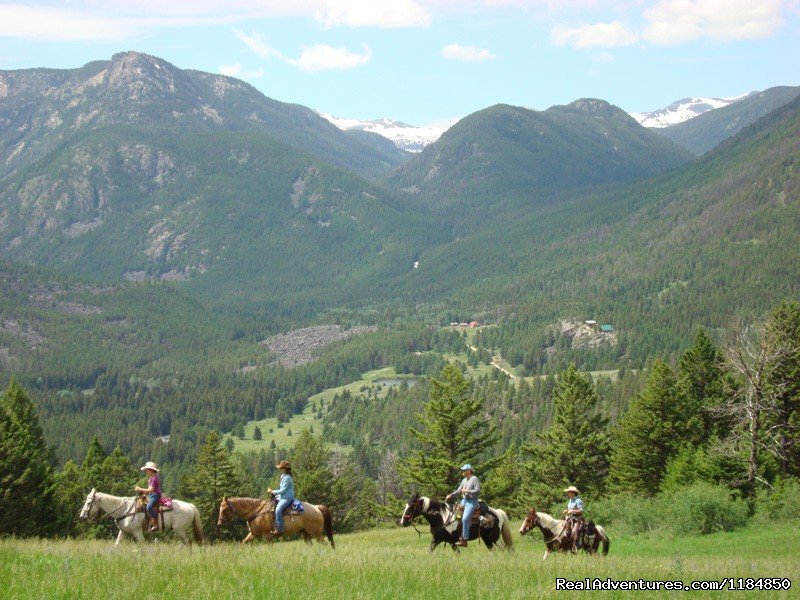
x=283 y=503
x=469 y=508
x=152 y=501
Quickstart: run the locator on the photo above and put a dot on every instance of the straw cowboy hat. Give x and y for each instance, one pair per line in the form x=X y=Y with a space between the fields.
x=284 y=464
x=150 y=465
x=572 y=488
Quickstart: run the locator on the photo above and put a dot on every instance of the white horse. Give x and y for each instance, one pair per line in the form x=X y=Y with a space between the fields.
x=555 y=533
x=130 y=521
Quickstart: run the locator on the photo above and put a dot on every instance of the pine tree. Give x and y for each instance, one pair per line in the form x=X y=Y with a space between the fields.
x=311 y=469
x=702 y=371
x=653 y=430
x=92 y=466
x=27 y=479
x=257 y=435
x=70 y=494
x=212 y=476
x=119 y=476
x=455 y=430
x=783 y=329
x=574 y=450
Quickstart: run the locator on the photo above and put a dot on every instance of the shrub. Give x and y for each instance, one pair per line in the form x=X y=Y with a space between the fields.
x=781 y=502
x=702 y=508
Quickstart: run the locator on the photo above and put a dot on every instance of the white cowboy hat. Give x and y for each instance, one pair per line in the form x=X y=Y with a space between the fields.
x=149 y=465
x=572 y=488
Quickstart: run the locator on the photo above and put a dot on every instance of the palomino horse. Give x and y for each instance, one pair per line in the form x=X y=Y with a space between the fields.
x=315 y=520
x=555 y=534
x=130 y=521
x=446 y=527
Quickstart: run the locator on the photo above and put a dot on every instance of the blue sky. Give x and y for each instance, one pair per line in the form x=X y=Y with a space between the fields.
x=431 y=61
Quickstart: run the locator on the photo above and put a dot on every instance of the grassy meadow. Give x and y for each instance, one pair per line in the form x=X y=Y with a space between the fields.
x=389 y=563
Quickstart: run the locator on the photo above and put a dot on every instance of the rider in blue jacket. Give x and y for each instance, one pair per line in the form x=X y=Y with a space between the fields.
x=284 y=495
x=469 y=488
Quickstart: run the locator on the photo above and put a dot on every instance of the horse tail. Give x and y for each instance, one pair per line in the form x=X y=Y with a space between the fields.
x=197 y=526
x=505 y=529
x=606 y=541
x=327 y=521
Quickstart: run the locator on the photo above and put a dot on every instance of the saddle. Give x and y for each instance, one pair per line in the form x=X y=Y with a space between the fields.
x=295 y=508
x=164 y=504
x=482 y=515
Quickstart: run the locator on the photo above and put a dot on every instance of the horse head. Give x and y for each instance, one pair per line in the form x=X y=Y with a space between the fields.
x=90 y=508
x=531 y=521
x=413 y=509
x=226 y=512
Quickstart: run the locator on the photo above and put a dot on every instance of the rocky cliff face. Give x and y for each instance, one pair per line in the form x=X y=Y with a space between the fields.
x=42 y=109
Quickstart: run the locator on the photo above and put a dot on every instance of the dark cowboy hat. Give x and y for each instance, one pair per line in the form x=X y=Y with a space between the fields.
x=284 y=464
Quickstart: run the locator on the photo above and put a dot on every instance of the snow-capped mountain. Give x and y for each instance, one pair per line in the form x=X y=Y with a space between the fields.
x=683 y=110
x=405 y=136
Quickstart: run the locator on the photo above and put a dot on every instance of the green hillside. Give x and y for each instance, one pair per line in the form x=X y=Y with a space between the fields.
x=244 y=219
x=504 y=161
x=657 y=259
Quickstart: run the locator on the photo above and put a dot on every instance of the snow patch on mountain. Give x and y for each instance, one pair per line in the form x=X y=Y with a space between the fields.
x=683 y=110
x=406 y=137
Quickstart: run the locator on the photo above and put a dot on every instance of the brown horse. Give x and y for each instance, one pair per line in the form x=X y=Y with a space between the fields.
x=315 y=520
x=556 y=534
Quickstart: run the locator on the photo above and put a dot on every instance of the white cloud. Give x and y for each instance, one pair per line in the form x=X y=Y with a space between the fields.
x=373 y=13
x=257 y=44
x=669 y=22
x=680 y=21
x=45 y=23
x=235 y=70
x=321 y=57
x=467 y=53
x=606 y=35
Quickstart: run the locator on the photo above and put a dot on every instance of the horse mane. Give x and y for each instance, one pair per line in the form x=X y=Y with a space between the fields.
x=434 y=505
x=245 y=502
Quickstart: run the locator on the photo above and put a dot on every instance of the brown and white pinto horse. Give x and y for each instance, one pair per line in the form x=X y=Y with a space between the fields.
x=556 y=534
x=315 y=521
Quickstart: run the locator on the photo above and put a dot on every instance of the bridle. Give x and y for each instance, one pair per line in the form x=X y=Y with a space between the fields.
x=533 y=517
x=254 y=514
x=108 y=515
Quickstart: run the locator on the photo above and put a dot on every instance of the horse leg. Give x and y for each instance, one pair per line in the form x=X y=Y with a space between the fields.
x=248 y=537
x=120 y=535
x=308 y=539
x=546 y=554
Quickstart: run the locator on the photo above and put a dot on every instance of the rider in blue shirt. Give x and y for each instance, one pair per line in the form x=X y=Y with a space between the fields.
x=574 y=516
x=469 y=488
x=284 y=495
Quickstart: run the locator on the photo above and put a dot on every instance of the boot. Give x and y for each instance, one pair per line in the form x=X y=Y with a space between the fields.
x=276 y=533
x=462 y=543
x=153 y=525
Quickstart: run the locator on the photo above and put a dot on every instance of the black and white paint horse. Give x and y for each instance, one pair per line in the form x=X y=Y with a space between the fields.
x=446 y=527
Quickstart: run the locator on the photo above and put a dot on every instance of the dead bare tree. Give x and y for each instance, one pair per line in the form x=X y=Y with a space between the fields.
x=751 y=353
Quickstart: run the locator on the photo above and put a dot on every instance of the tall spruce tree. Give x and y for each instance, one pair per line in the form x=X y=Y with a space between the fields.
x=783 y=329
x=455 y=430
x=574 y=450
x=702 y=371
x=311 y=469
x=27 y=478
x=212 y=476
x=658 y=423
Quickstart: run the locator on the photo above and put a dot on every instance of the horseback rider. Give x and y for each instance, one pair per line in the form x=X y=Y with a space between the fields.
x=153 y=491
x=469 y=488
x=574 y=518
x=284 y=495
